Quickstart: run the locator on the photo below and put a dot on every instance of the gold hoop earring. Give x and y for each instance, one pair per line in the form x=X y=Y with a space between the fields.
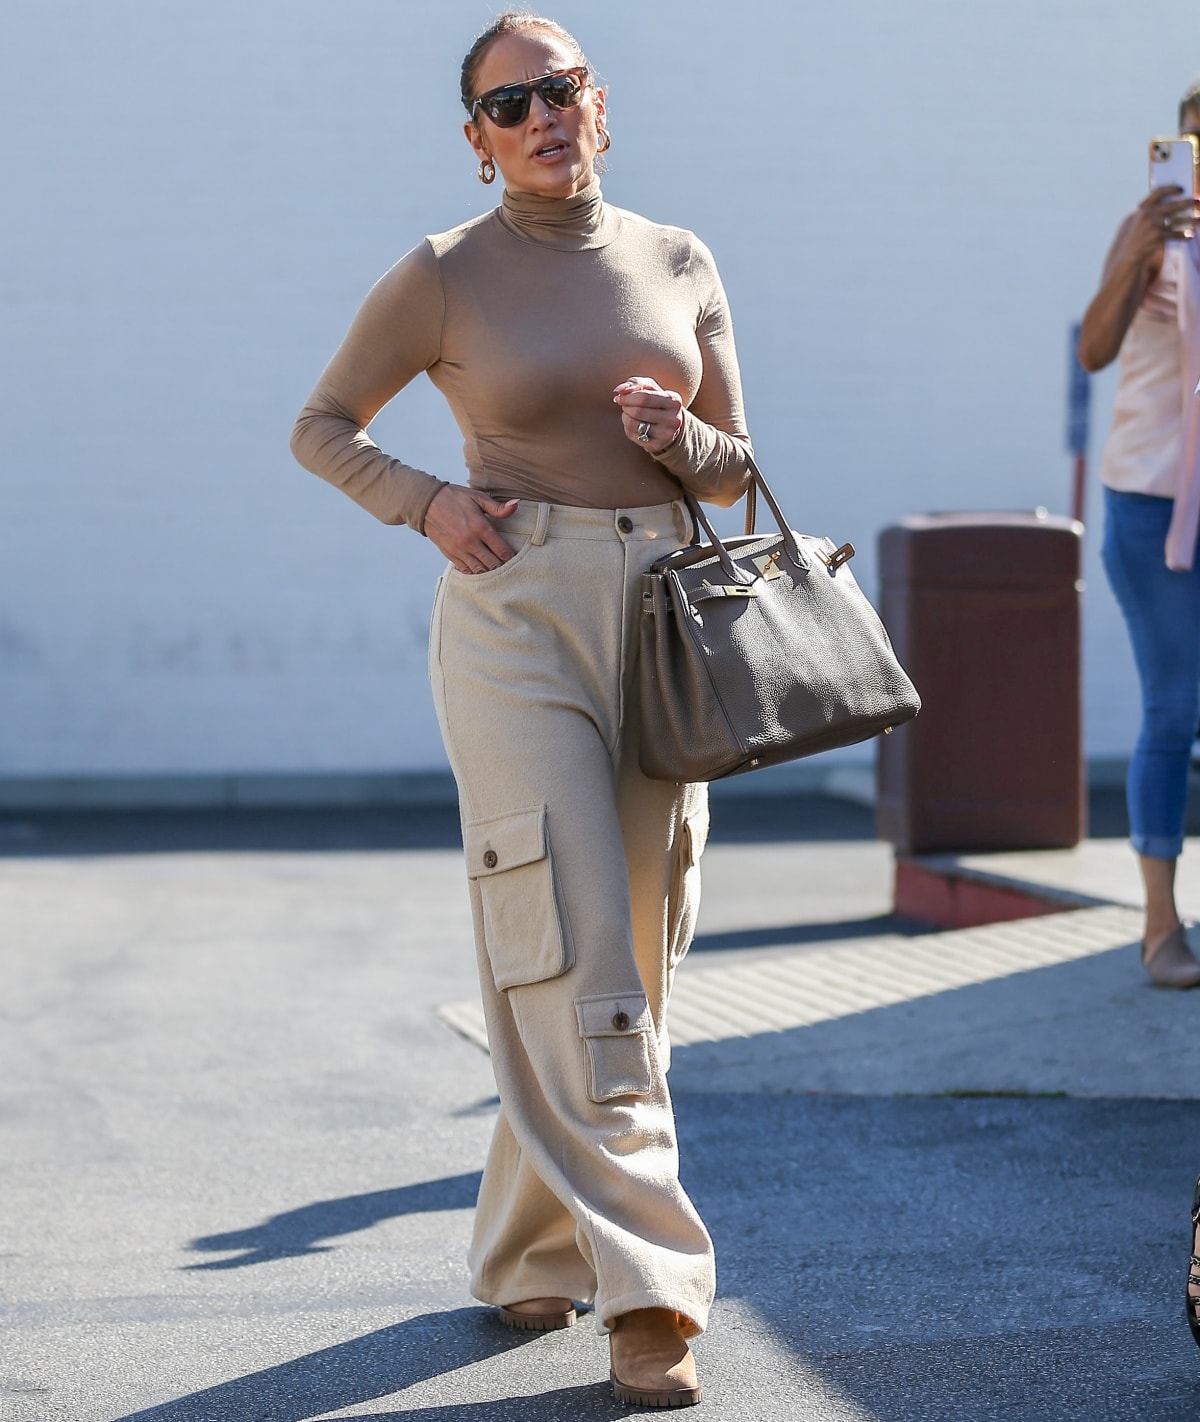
x=487 y=171
x=605 y=141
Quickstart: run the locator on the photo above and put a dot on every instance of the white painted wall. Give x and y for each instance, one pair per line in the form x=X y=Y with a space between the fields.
x=908 y=201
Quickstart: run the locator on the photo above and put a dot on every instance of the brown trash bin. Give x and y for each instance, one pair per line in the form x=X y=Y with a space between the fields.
x=984 y=612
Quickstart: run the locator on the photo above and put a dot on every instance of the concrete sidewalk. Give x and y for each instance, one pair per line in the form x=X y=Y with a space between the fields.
x=238 y=1148
x=1045 y=1006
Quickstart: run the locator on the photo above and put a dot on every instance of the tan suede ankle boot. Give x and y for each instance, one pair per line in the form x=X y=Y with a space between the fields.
x=651 y=1363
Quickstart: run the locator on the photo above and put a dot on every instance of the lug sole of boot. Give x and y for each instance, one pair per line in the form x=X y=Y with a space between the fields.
x=536 y=1322
x=643 y=1397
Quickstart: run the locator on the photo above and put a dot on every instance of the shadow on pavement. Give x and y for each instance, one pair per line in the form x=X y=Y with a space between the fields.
x=910 y=1259
x=373 y=1366
x=736 y=819
x=44 y=834
x=938 y=1260
x=299 y=1231
x=33 y=835
x=572 y=1403
x=794 y=934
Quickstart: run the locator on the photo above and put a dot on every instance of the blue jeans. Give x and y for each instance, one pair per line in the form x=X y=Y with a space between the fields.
x=1162 y=612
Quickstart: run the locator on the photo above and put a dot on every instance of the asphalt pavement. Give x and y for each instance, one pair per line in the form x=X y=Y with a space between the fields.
x=239 y=1148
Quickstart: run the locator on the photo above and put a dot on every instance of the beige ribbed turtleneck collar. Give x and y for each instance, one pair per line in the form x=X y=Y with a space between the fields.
x=578 y=223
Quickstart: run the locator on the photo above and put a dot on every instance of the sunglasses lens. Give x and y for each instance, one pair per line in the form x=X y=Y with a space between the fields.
x=563 y=91
x=507 y=108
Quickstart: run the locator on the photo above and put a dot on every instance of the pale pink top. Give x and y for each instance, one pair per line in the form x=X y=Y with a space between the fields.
x=1144 y=453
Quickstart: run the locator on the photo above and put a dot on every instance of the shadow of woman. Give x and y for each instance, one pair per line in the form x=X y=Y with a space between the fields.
x=376 y=1365
x=298 y=1231
x=565 y=1404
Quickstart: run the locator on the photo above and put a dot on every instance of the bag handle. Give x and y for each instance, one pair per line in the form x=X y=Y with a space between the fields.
x=751 y=506
x=791 y=547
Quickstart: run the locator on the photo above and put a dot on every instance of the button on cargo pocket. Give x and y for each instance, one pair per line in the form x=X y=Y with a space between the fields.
x=510 y=861
x=616 y=1031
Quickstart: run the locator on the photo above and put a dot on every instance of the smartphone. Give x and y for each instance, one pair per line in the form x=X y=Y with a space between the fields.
x=1175 y=162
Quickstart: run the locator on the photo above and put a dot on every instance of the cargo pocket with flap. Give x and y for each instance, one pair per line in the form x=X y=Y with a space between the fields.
x=616 y=1031
x=509 y=859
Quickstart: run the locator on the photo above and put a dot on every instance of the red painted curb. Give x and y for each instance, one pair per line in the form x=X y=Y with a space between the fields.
x=949 y=900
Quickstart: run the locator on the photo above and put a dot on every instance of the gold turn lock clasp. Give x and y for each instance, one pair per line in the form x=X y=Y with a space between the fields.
x=708 y=589
x=833 y=561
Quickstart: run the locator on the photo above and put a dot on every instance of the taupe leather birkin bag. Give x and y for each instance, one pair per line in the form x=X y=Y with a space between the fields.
x=760 y=649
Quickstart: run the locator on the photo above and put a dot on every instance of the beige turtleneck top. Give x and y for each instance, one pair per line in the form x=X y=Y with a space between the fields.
x=526 y=319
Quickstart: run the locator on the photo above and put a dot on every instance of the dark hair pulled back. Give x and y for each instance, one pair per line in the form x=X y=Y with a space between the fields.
x=1190 y=100
x=513 y=22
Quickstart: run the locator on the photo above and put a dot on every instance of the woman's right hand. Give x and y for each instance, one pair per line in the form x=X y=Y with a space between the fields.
x=459 y=522
x=1163 y=214
x=1134 y=261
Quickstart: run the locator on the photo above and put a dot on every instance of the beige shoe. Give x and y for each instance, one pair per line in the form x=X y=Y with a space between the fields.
x=1172 y=964
x=538 y=1315
x=651 y=1363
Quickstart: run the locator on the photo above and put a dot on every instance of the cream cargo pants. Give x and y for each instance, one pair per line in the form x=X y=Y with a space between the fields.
x=584 y=887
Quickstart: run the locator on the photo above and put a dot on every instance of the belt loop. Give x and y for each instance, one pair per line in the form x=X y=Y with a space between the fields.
x=683 y=521
x=543 y=523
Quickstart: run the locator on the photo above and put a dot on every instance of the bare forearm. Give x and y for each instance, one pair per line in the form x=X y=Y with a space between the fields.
x=1134 y=261
x=1111 y=313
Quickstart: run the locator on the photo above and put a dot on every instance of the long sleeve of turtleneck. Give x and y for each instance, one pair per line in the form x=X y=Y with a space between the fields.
x=394 y=337
x=709 y=457
x=526 y=319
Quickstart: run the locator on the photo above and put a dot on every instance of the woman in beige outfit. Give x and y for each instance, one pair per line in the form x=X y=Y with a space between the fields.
x=588 y=357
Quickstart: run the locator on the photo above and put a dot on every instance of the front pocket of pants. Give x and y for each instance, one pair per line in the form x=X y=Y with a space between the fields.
x=521 y=548
x=509 y=860
x=616 y=1034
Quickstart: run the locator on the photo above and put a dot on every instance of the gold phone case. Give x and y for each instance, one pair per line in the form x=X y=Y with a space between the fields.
x=1176 y=161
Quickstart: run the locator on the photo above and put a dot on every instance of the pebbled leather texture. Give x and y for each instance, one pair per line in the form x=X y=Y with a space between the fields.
x=740 y=674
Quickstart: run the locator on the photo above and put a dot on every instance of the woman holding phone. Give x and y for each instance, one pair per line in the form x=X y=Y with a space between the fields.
x=1148 y=310
x=588 y=357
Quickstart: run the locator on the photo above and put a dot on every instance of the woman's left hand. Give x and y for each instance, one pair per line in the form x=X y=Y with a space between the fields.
x=652 y=416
